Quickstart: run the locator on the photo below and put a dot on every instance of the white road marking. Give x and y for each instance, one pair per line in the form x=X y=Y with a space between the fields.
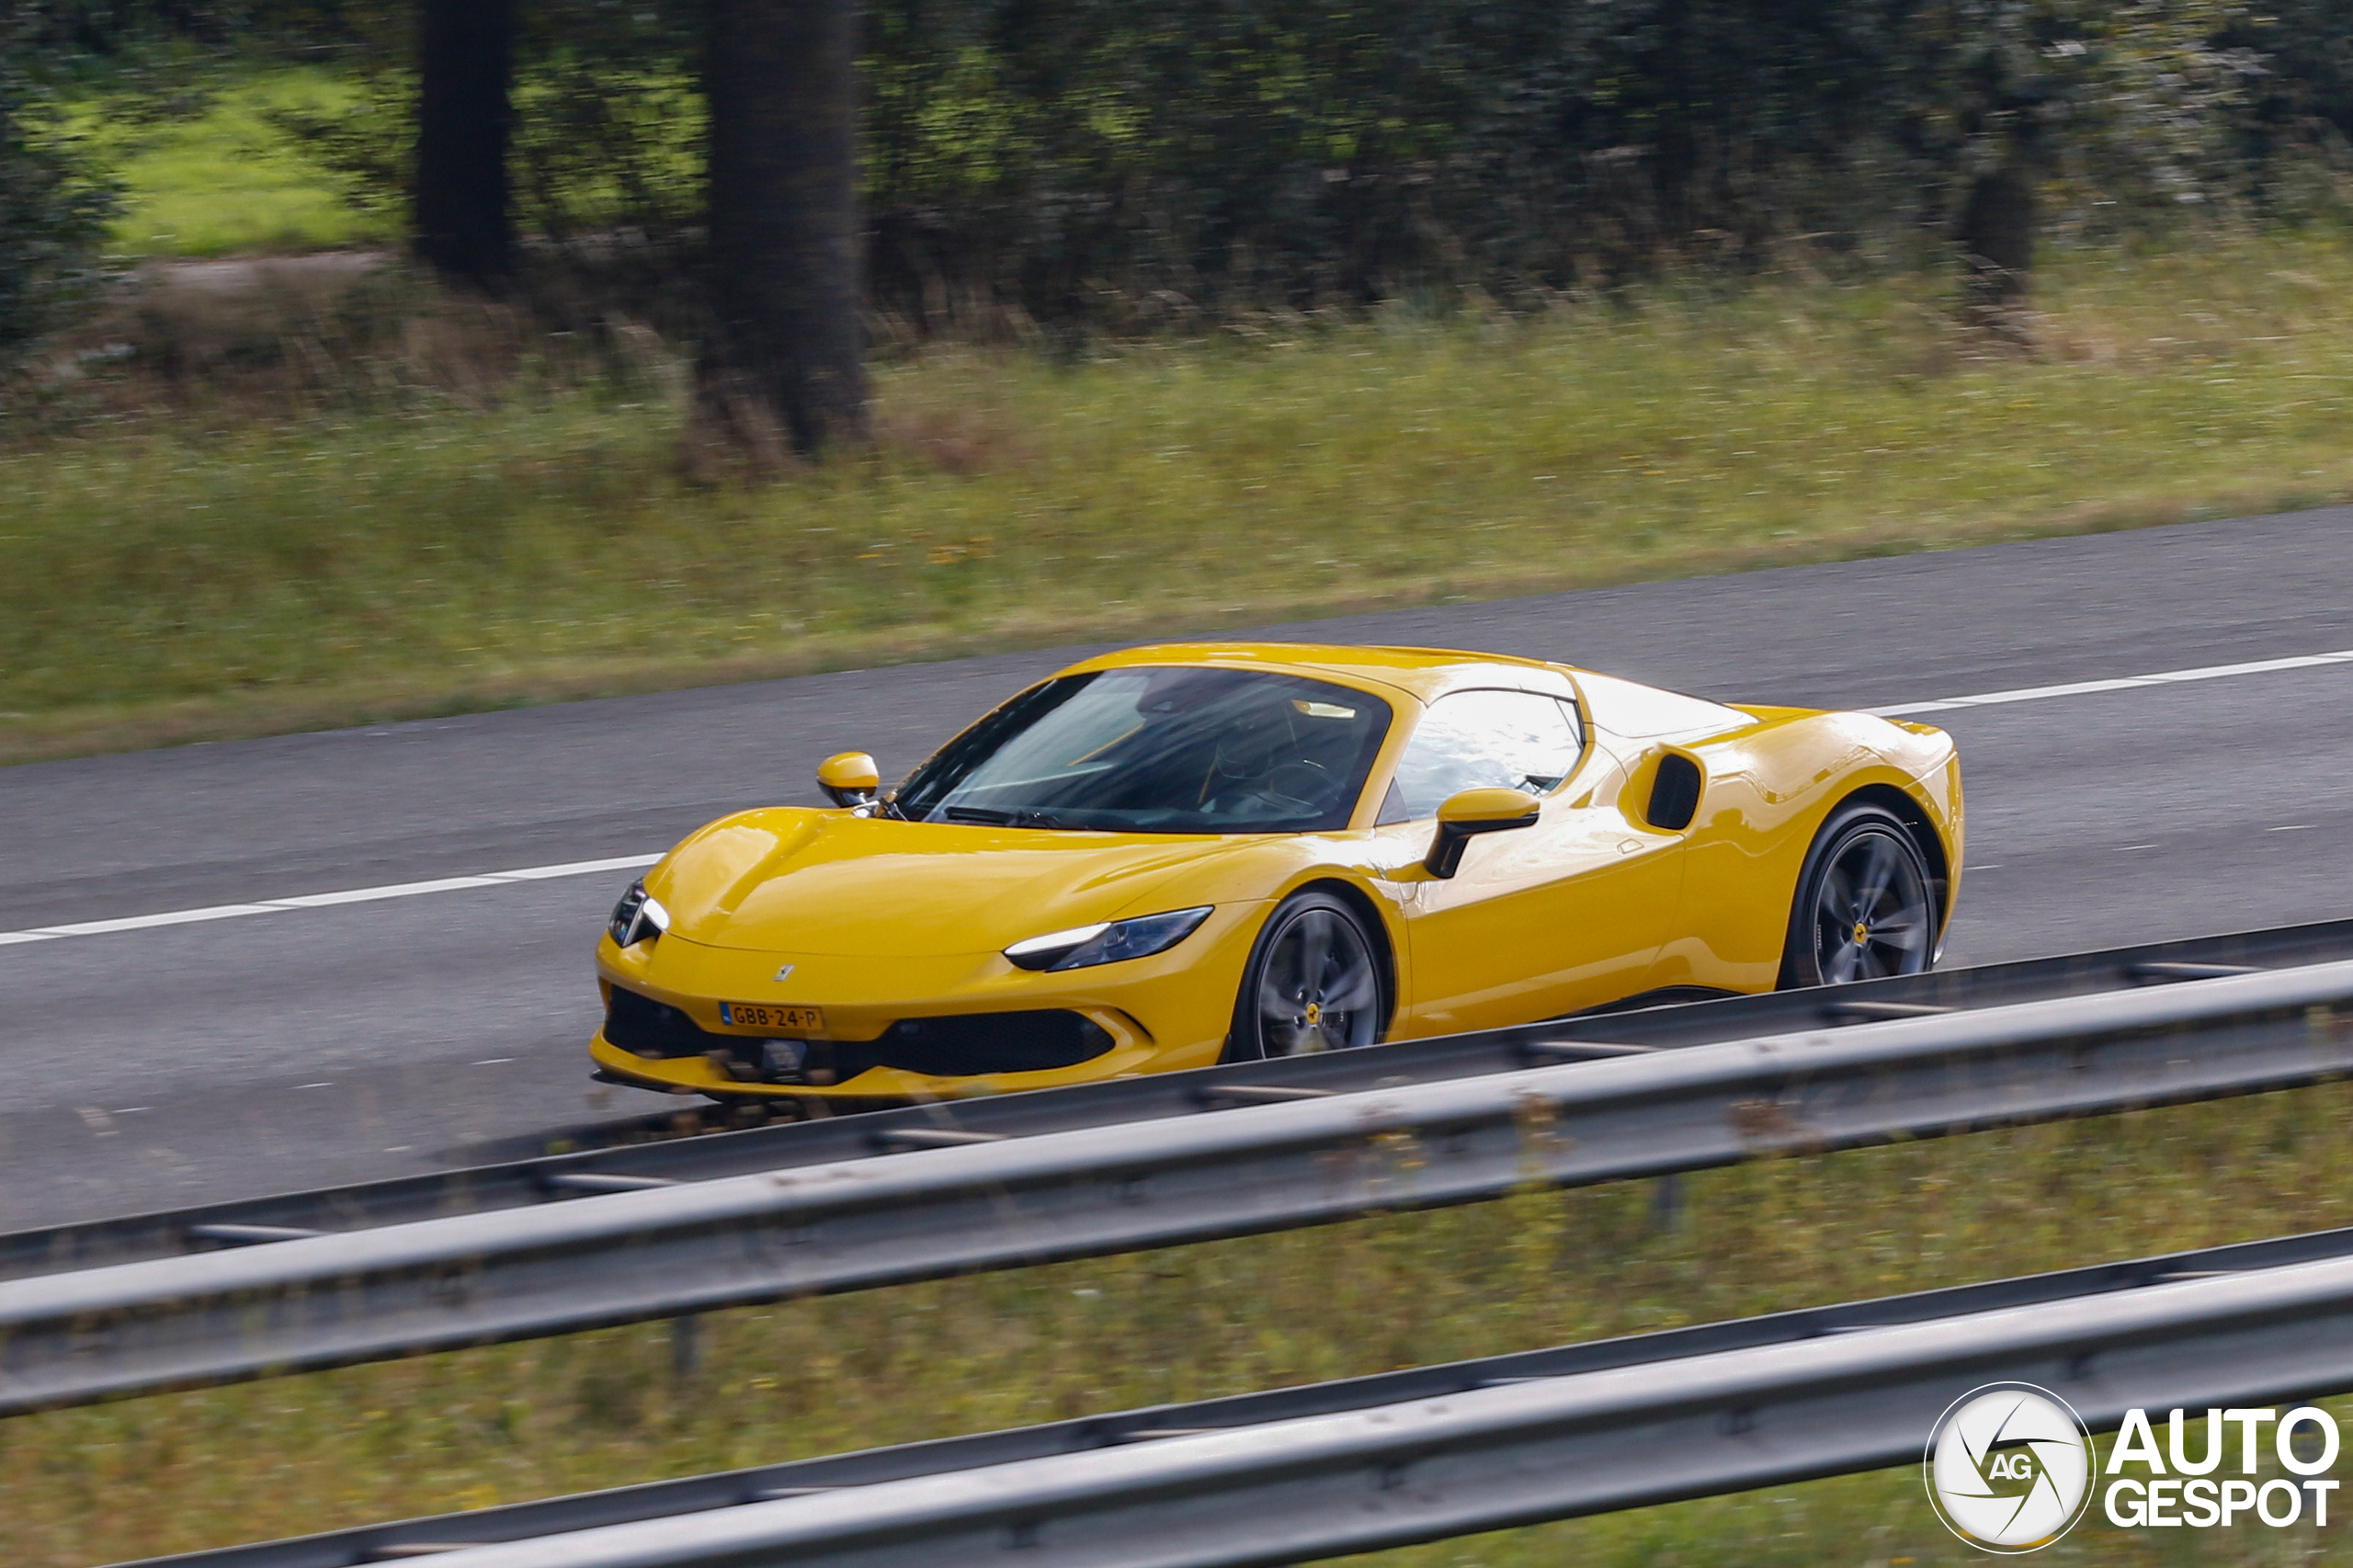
x=327 y=899
x=634 y=862
x=141 y=922
x=2083 y=687
x=397 y=889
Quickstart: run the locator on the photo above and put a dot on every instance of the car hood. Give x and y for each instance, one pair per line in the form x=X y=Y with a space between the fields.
x=795 y=879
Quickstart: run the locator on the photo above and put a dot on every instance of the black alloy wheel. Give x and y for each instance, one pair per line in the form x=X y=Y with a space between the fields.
x=1314 y=982
x=1866 y=905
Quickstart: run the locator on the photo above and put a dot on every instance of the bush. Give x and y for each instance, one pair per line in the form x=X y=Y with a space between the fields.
x=1094 y=163
x=53 y=216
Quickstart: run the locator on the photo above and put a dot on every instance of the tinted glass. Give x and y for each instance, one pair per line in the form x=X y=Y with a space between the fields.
x=1160 y=750
x=1472 y=739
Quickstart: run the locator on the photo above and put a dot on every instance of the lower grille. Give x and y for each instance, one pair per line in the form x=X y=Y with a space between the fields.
x=648 y=1027
x=959 y=1045
x=964 y=1043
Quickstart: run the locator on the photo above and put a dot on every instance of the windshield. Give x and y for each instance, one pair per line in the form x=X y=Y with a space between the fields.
x=1160 y=750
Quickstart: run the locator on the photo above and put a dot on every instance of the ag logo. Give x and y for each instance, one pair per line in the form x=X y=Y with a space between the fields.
x=2009 y=1468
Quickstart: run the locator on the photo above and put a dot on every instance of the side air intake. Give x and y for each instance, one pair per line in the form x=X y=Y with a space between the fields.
x=1674 y=793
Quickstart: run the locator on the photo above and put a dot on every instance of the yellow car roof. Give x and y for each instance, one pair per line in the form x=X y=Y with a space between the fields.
x=1423 y=673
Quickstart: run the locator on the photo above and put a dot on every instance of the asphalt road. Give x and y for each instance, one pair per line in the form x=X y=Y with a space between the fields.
x=147 y=1068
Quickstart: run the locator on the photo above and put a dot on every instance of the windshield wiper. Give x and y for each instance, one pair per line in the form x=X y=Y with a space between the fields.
x=988 y=817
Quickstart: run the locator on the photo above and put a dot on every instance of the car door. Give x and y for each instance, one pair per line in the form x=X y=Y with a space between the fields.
x=1539 y=921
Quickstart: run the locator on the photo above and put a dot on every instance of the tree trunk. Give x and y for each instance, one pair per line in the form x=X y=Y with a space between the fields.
x=787 y=347
x=465 y=62
x=1997 y=246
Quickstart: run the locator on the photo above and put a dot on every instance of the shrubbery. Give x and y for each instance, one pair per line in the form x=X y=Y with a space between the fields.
x=1098 y=162
x=53 y=217
x=1094 y=160
x=1079 y=156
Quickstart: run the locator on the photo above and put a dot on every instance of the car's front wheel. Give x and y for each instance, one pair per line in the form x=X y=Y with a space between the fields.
x=1865 y=907
x=1314 y=982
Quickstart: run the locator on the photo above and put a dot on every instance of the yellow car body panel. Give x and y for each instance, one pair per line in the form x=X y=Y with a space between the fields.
x=872 y=922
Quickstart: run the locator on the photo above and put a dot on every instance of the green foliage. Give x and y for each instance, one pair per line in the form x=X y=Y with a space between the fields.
x=608 y=120
x=221 y=177
x=52 y=210
x=2305 y=96
x=2137 y=102
x=1091 y=161
x=1078 y=156
x=1086 y=159
x=607 y=128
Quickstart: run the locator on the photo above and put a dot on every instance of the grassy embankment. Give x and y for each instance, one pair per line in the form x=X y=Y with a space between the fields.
x=475 y=1427
x=399 y=536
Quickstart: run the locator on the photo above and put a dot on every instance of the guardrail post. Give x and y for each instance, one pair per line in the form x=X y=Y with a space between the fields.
x=686 y=1345
x=1666 y=1203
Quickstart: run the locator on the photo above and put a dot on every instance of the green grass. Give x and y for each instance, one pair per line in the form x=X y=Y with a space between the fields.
x=401 y=538
x=470 y=1428
x=227 y=181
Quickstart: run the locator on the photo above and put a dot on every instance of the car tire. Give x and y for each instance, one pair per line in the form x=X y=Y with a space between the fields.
x=1315 y=981
x=1866 y=904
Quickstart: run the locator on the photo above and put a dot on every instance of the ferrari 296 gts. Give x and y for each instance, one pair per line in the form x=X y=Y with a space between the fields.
x=1179 y=855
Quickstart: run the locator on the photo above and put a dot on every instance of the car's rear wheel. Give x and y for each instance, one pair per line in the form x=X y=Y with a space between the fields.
x=1314 y=982
x=1866 y=905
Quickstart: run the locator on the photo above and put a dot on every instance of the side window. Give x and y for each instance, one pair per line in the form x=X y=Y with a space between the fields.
x=1517 y=739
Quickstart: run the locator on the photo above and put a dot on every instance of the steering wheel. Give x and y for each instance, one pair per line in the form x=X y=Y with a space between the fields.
x=1306 y=782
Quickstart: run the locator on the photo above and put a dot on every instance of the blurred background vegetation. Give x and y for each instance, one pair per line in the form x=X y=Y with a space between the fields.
x=1125 y=167
x=1404 y=299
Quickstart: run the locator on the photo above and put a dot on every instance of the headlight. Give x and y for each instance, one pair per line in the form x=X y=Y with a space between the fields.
x=1108 y=942
x=638 y=915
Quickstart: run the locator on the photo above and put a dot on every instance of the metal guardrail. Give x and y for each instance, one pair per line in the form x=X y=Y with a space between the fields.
x=532 y=1182
x=1402 y=1457
x=434 y=1284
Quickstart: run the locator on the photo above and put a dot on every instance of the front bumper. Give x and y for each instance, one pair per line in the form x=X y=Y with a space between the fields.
x=705 y=1075
x=1169 y=1011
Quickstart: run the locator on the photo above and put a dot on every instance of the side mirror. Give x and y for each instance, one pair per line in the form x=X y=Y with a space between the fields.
x=849 y=777
x=1473 y=812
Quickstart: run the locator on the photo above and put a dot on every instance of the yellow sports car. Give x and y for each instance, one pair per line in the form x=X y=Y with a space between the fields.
x=1185 y=854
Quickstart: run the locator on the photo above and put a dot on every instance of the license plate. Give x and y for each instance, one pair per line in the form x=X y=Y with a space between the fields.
x=770 y=1015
